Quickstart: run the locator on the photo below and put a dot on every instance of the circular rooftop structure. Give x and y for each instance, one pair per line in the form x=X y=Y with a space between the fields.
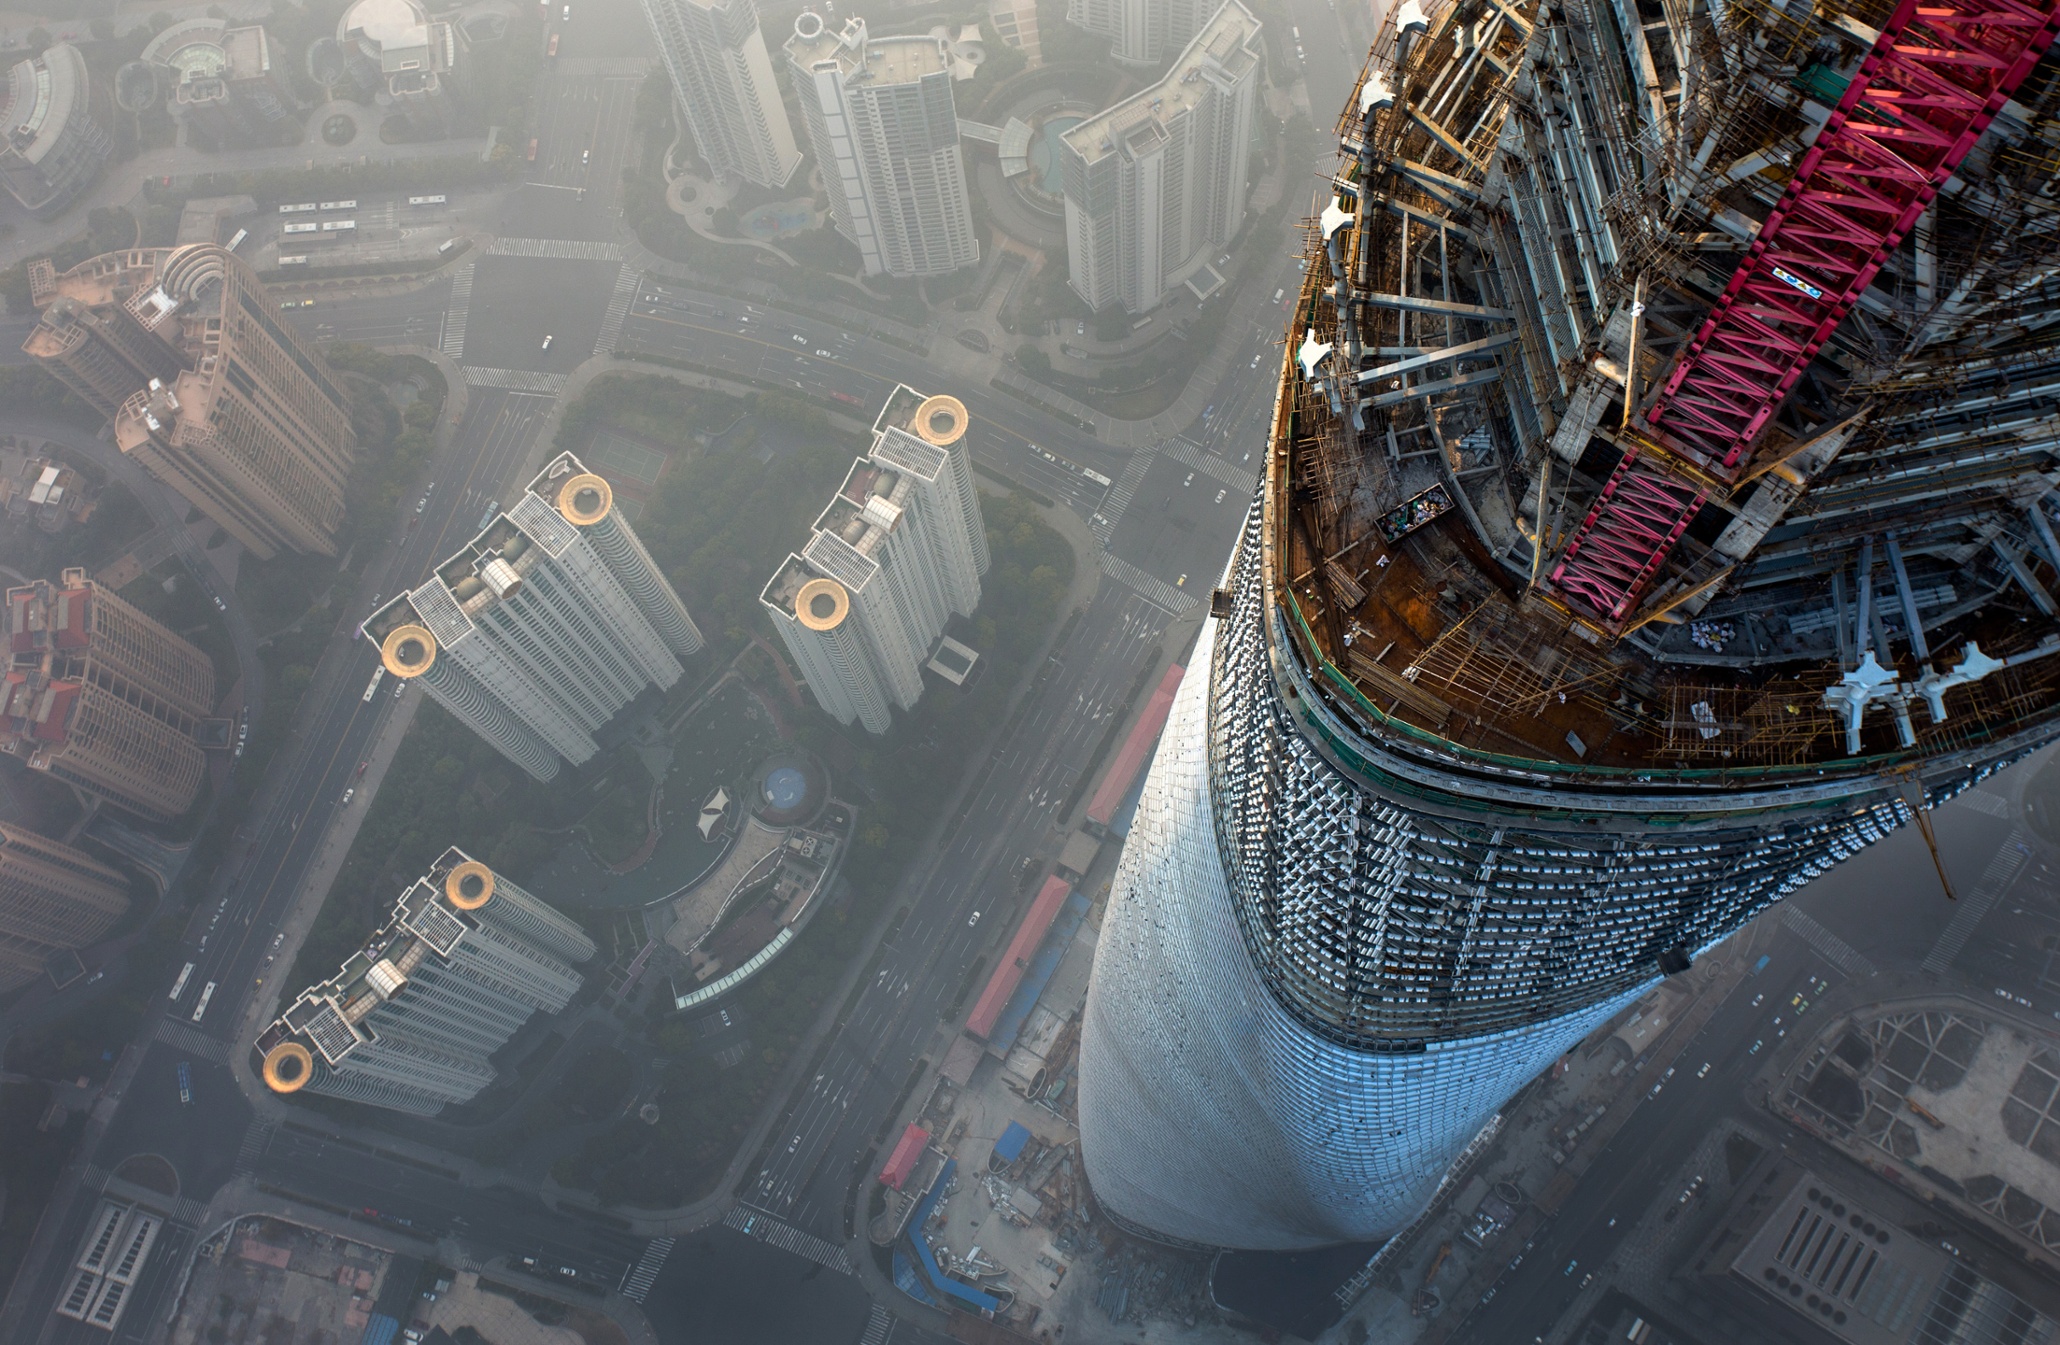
x=288 y=1067
x=408 y=651
x=788 y=788
x=585 y=499
x=822 y=604
x=942 y=420
x=469 y=886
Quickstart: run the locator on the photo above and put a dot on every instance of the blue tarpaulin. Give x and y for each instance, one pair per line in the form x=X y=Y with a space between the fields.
x=1043 y=963
x=380 y=1329
x=953 y=1289
x=1010 y=1146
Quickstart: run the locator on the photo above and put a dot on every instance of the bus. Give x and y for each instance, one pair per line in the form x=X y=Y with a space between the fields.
x=551 y=51
x=427 y=200
x=237 y=241
x=372 y=687
x=309 y=228
x=200 y=1006
x=1096 y=477
x=339 y=205
x=301 y=260
x=304 y=208
x=180 y=984
x=339 y=226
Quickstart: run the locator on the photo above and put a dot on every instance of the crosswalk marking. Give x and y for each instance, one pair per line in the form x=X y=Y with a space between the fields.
x=760 y=1225
x=453 y=343
x=1995 y=880
x=257 y=1137
x=514 y=380
x=1981 y=801
x=1118 y=498
x=1208 y=464
x=1155 y=591
x=186 y=1038
x=557 y=249
x=878 y=1327
x=646 y=1273
x=1834 y=950
x=626 y=281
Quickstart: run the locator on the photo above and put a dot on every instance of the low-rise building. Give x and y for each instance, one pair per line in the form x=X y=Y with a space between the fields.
x=406 y=58
x=51 y=148
x=220 y=80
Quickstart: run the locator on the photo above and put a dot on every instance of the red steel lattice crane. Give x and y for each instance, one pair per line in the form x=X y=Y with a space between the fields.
x=1936 y=77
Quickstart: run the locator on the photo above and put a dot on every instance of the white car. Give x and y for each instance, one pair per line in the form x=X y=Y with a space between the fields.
x=348 y=795
x=548 y=338
x=799 y=339
x=973 y=920
x=1221 y=493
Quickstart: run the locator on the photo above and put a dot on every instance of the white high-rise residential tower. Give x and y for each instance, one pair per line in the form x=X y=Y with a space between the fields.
x=899 y=551
x=722 y=81
x=885 y=131
x=1593 y=601
x=544 y=626
x=1156 y=184
x=1140 y=32
x=412 y=1019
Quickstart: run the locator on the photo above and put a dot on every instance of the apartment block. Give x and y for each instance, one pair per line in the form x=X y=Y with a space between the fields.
x=52 y=898
x=722 y=79
x=207 y=388
x=1140 y=32
x=885 y=131
x=899 y=550
x=411 y=1020
x=1156 y=185
x=544 y=626
x=104 y=697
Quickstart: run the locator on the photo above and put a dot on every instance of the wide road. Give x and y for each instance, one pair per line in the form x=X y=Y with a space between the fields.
x=969 y=903
x=231 y=939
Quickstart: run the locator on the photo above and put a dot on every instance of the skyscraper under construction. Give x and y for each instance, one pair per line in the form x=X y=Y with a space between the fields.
x=1658 y=509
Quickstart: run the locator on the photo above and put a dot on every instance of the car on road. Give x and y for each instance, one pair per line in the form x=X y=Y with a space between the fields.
x=1755 y=1048
x=348 y=795
x=1221 y=493
x=1180 y=582
x=548 y=338
x=973 y=920
x=799 y=339
x=1704 y=1070
x=568 y=1272
x=1757 y=998
x=585 y=157
x=824 y=354
x=1189 y=481
x=1570 y=1267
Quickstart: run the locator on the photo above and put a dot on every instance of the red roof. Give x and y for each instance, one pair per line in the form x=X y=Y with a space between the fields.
x=1009 y=973
x=903 y=1160
x=1136 y=749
